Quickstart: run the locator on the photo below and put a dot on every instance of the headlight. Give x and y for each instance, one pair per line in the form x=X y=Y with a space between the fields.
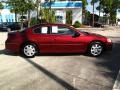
x=109 y=40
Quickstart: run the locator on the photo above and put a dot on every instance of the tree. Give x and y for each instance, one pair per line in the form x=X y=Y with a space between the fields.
x=113 y=11
x=84 y=3
x=30 y=6
x=99 y=7
x=51 y=12
x=93 y=3
x=88 y=17
x=21 y=7
x=1 y=6
x=110 y=10
x=14 y=8
x=109 y=7
x=37 y=5
x=69 y=17
x=48 y=15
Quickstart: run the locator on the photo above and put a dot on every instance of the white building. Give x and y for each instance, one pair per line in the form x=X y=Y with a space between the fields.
x=6 y=15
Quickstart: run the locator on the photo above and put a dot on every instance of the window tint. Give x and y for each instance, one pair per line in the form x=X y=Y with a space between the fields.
x=42 y=30
x=62 y=30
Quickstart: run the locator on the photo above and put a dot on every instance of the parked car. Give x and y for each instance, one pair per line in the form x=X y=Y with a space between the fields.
x=97 y=24
x=11 y=25
x=56 y=38
x=14 y=26
x=3 y=27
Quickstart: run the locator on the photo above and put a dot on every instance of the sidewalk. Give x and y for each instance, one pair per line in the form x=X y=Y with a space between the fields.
x=3 y=37
x=103 y=31
x=105 y=28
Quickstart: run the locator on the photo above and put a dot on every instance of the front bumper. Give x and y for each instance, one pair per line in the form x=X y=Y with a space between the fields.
x=109 y=46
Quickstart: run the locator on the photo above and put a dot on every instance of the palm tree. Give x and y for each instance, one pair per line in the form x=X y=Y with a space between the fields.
x=1 y=7
x=100 y=3
x=37 y=8
x=93 y=3
x=30 y=6
x=84 y=3
x=109 y=8
x=114 y=5
x=100 y=7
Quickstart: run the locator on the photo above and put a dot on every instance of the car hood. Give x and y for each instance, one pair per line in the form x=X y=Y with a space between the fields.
x=93 y=34
x=97 y=35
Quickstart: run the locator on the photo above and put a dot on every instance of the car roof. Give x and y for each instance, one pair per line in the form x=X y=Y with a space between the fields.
x=50 y=24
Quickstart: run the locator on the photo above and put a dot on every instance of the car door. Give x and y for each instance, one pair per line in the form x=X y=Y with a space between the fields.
x=64 y=40
x=41 y=36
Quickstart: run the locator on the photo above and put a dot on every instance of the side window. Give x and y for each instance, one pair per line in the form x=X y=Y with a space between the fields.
x=42 y=30
x=62 y=30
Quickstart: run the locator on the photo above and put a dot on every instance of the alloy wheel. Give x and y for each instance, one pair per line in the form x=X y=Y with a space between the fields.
x=96 y=49
x=29 y=50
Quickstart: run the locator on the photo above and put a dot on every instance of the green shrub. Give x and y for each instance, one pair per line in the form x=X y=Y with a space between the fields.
x=33 y=21
x=77 y=24
x=49 y=15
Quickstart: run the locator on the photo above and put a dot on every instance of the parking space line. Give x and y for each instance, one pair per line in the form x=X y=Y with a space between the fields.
x=117 y=82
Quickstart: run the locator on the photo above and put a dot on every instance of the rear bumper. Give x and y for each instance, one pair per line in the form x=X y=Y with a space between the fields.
x=12 y=47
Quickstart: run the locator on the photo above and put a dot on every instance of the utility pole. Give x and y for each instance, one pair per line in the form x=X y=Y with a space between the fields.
x=93 y=14
x=37 y=3
x=99 y=8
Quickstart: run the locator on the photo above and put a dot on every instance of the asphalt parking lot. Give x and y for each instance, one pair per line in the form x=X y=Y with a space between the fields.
x=61 y=72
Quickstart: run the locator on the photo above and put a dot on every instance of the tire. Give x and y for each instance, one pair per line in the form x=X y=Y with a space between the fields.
x=95 y=49
x=29 y=50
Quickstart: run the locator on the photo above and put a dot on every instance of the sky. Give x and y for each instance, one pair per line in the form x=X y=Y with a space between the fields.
x=90 y=8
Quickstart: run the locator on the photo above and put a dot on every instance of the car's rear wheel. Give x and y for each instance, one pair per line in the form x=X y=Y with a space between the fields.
x=95 y=49
x=29 y=50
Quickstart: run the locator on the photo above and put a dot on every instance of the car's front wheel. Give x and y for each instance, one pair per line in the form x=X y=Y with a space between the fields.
x=29 y=50
x=95 y=49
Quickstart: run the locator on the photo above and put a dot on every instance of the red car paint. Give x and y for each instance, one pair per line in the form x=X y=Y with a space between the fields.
x=54 y=43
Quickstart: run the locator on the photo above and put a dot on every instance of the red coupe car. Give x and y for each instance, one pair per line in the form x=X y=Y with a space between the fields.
x=56 y=38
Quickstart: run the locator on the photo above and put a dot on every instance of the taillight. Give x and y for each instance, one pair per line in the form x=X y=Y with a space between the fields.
x=12 y=35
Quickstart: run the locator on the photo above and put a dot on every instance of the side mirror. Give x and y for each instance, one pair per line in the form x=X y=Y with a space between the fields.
x=76 y=34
